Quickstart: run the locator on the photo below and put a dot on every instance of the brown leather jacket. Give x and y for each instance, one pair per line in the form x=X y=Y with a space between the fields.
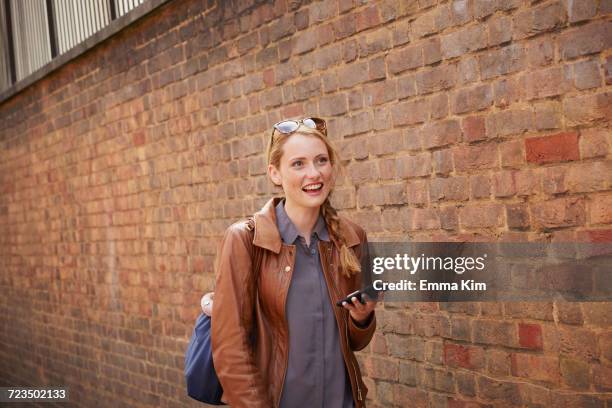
x=253 y=375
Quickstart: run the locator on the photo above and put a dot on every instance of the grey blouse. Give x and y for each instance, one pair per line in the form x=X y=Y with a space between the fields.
x=316 y=374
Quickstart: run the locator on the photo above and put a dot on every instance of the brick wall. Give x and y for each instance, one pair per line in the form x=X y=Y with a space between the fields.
x=472 y=120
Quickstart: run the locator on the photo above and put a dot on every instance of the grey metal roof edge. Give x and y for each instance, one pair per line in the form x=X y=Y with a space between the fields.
x=113 y=28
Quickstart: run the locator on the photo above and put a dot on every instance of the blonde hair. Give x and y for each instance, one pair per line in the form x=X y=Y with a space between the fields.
x=349 y=264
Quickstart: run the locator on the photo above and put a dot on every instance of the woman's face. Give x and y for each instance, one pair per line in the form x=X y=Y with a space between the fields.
x=305 y=173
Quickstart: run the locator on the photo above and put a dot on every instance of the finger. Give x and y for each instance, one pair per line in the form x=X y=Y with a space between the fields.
x=357 y=304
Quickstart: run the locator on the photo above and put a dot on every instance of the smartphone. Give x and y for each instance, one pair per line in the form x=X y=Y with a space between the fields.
x=369 y=291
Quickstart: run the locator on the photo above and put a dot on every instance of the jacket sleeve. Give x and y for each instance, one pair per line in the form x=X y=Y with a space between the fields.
x=232 y=322
x=359 y=335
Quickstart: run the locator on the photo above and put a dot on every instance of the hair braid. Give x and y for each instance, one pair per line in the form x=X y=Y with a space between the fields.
x=348 y=261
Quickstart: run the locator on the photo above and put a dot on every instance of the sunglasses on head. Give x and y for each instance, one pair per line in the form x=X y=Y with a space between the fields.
x=289 y=126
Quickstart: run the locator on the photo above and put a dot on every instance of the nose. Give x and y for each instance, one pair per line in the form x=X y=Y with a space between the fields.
x=312 y=171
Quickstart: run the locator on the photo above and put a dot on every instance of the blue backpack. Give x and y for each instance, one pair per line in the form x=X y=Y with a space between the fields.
x=200 y=375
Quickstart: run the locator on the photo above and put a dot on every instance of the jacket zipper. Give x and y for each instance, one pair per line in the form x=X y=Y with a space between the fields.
x=348 y=346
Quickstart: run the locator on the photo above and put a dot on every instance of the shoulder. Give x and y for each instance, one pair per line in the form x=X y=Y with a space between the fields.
x=241 y=230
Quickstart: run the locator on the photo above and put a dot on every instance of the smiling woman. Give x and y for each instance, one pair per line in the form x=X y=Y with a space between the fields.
x=303 y=353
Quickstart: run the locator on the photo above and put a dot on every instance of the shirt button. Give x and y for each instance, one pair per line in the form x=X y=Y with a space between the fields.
x=312 y=251
x=287 y=268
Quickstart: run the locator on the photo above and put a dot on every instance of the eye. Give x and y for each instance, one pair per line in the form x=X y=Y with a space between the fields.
x=323 y=160
x=297 y=163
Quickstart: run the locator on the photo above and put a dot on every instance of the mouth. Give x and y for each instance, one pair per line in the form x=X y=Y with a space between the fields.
x=313 y=189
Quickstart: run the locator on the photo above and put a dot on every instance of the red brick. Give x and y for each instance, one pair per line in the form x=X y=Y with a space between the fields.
x=483 y=8
x=600 y=209
x=508 y=90
x=595 y=143
x=414 y=166
x=538 y=19
x=467 y=70
x=368 y=196
x=508 y=122
x=581 y=10
x=471 y=99
x=585 y=39
x=407 y=58
x=417 y=192
x=575 y=373
x=325 y=34
x=530 y=336
x=333 y=105
x=540 y=51
x=425 y=219
x=587 y=109
x=586 y=177
x=406 y=86
x=500 y=30
x=512 y=154
x=449 y=219
x=431 y=51
x=603 y=235
x=367 y=18
x=475 y=157
x=503 y=184
x=517 y=216
x=561 y=212
x=438 y=106
x=548 y=115
x=377 y=69
x=409 y=113
x=456 y=355
x=539 y=368
x=352 y=75
x=480 y=186
x=504 y=61
x=553 y=148
x=586 y=74
x=375 y=42
x=481 y=216
x=602 y=378
x=504 y=391
x=498 y=362
x=605 y=344
x=463 y=41
x=410 y=396
x=423 y=25
x=139 y=138
x=473 y=128
x=382 y=368
x=443 y=162
x=344 y=26
x=435 y=79
x=440 y=134
x=449 y=189
x=401 y=32
x=548 y=82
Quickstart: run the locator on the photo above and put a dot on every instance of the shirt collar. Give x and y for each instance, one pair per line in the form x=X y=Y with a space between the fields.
x=289 y=232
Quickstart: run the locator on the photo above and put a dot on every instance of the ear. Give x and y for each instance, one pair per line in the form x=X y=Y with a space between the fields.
x=275 y=175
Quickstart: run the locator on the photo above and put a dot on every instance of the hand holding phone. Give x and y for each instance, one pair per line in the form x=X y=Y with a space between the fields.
x=349 y=299
x=369 y=292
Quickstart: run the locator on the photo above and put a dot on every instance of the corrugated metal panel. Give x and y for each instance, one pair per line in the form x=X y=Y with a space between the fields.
x=38 y=33
x=5 y=74
x=76 y=23
x=30 y=35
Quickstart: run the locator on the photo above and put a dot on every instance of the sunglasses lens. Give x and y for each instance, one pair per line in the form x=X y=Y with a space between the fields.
x=310 y=123
x=287 y=126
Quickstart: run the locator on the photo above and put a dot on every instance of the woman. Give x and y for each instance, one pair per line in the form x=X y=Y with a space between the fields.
x=302 y=352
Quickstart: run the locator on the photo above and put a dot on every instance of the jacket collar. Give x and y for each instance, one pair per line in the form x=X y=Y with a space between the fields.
x=267 y=235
